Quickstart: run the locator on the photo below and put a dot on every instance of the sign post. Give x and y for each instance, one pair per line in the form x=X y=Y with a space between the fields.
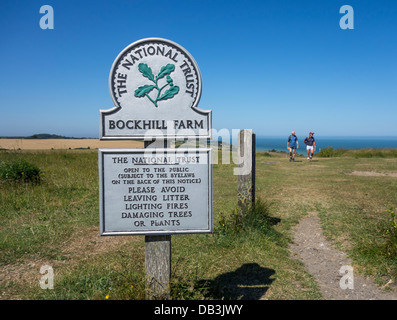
x=158 y=191
x=158 y=267
x=157 y=259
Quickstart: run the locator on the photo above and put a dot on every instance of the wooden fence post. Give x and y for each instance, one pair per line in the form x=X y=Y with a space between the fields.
x=246 y=169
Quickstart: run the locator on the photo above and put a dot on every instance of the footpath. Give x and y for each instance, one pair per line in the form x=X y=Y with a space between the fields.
x=331 y=268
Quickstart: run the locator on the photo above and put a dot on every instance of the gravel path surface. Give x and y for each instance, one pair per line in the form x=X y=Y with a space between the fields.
x=325 y=262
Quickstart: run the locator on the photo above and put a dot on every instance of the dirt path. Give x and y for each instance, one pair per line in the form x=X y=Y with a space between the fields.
x=325 y=262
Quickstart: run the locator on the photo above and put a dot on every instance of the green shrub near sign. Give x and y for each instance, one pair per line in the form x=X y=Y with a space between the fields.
x=19 y=170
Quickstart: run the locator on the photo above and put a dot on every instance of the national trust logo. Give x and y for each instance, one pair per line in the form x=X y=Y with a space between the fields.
x=155 y=73
x=155 y=85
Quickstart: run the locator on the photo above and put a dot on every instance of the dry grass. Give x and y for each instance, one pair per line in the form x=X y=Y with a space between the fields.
x=374 y=174
x=48 y=144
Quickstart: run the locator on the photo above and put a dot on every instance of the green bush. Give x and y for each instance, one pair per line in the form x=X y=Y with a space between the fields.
x=19 y=170
x=264 y=154
x=329 y=152
x=374 y=153
x=255 y=217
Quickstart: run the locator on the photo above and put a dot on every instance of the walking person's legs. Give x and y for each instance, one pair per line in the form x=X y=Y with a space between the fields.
x=291 y=152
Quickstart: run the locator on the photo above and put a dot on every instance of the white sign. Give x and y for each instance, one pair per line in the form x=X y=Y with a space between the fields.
x=155 y=85
x=155 y=191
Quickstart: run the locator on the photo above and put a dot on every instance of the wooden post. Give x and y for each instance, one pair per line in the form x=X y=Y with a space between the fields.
x=246 y=169
x=158 y=267
x=157 y=257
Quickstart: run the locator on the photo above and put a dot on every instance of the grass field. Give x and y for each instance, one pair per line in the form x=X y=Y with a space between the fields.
x=56 y=223
x=62 y=144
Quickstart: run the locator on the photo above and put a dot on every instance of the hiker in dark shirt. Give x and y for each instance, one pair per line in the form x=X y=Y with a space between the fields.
x=310 y=146
x=292 y=145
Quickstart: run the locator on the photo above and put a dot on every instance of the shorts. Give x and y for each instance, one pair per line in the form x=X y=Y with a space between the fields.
x=309 y=147
x=292 y=147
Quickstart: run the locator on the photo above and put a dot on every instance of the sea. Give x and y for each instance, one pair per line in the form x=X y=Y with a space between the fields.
x=280 y=143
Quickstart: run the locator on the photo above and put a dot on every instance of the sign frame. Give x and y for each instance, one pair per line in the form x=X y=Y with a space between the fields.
x=103 y=188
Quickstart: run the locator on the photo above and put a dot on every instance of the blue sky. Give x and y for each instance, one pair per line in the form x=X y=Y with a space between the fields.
x=270 y=66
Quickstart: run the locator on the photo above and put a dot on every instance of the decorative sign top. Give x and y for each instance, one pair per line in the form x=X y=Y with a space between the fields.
x=155 y=85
